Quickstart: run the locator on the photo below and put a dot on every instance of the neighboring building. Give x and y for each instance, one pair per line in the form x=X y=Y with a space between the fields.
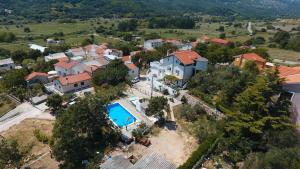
x=37 y=47
x=56 y=56
x=179 y=66
x=291 y=76
x=73 y=83
x=152 y=44
x=240 y=60
x=219 y=41
x=133 y=71
x=36 y=77
x=75 y=52
x=66 y=68
x=54 y=42
x=7 y=64
x=291 y=84
x=151 y=160
x=112 y=54
x=179 y=44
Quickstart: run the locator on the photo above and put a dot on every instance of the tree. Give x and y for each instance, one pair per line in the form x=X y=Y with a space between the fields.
x=282 y=38
x=34 y=54
x=27 y=30
x=114 y=73
x=156 y=107
x=55 y=102
x=82 y=133
x=222 y=36
x=127 y=26
x=14 y=79
x=12 y=155
x=19 y=55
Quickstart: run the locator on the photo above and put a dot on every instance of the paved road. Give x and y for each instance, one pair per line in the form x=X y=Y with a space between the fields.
x=20 y=113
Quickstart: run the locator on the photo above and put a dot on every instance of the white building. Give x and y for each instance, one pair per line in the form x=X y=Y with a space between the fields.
x=73 y=83
x=112 y=54
x=68 y=68
x=37 y=47
x=133 y=71
x=7 y=64
x=175 y=70
x=152 y=44
x=55 y=56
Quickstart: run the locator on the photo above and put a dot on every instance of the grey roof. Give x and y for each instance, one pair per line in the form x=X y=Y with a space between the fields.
x=153 y=161
x=6 y=61
x=202 y=59
x=117 y=162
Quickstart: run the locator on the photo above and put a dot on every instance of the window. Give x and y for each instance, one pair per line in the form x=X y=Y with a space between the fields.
x=75 y=85
x=177 y=72
x=132 y=71
x=169 y=68
x=82 y=83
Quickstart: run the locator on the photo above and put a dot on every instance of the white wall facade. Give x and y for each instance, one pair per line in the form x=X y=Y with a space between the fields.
x=71 y=87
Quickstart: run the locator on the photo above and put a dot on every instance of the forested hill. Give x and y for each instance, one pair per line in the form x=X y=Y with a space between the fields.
x=52 y=9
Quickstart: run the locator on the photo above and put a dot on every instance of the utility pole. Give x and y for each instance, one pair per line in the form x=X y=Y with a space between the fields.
x=151 y=86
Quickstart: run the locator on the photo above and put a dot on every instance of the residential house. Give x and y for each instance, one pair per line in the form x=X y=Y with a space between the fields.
x=179 y=44
x=76 y=52
x=150 y=160
x=36 y=77
x=72 y=83
x=54 y=42
x=56 y=56
x=67 y=68
x=291 y=84
x=7 y=64
x=177 y=67
x=112 y=54
x=152 y=44
x=240 y=60
x=133 y=71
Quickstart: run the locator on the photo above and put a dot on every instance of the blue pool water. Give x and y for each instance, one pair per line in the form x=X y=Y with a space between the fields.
x=120 y=116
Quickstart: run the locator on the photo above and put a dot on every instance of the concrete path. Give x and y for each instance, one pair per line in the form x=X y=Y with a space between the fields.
x=20 y=113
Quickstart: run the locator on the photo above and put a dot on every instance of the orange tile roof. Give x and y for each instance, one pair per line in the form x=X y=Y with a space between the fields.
x=131 y=66
x=220 y=41
x=35 y=74
x=71 y=79
x=293 y=79
x=285 y=71
x=253 y=56
x=66 y=65
x=63 y=59
x=187 y=56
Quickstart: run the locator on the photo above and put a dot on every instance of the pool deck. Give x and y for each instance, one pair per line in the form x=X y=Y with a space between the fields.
x=139 y=116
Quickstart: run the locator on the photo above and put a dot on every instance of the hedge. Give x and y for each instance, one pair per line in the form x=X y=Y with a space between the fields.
x=201 y=151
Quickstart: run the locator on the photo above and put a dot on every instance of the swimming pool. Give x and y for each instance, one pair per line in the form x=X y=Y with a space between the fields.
x=120 y=116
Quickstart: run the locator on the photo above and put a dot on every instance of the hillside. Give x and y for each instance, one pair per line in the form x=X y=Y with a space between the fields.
x=52 y=9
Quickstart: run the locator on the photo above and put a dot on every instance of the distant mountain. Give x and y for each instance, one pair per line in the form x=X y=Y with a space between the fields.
x=52 y=9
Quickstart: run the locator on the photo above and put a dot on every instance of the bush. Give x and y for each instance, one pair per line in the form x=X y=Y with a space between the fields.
x=42 y=137
x=201 y=151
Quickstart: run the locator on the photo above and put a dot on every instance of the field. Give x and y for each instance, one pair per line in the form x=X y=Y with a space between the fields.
x=74 y=33
x=209 y=29
x=23 y=133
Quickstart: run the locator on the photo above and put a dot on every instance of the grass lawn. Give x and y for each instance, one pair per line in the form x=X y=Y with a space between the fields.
x=6 y=105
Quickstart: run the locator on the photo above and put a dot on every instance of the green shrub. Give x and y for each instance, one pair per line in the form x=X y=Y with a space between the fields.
x=42 y=137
